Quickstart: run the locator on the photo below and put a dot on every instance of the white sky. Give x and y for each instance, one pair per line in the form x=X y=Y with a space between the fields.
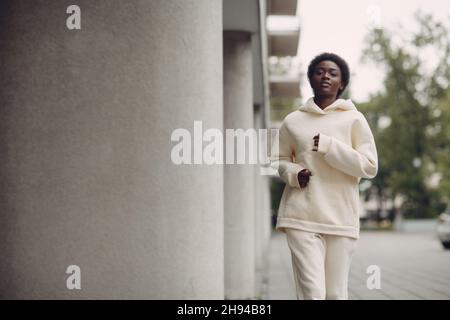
x=340 y=27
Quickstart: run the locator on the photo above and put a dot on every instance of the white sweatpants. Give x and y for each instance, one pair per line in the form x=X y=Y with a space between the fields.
x=321 y=264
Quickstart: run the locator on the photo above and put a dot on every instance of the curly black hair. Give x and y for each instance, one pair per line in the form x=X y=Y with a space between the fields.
x=342 y=64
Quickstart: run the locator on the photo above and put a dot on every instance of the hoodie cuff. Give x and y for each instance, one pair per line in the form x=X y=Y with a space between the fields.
x=293 y=180
x=324 y=143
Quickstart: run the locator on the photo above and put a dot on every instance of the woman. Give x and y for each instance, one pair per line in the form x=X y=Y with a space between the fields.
x=323 y=150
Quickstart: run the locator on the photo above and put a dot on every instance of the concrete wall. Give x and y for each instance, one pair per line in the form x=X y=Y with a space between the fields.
x=85 y=125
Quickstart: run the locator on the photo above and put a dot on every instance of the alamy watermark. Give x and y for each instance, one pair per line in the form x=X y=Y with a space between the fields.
x=73 y=22
x=374 y=280
x=211 y=146
x=73 y=281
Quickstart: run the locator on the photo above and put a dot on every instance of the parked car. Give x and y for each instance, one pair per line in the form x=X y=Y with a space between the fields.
x=443 y=229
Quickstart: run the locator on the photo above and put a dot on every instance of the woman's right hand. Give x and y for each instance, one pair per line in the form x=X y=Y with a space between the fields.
x=303 y=177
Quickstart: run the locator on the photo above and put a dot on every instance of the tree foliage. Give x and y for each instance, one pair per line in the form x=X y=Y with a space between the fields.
x=410 y=116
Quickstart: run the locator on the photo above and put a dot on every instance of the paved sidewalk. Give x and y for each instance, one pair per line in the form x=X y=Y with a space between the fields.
x=413 y=266
x=280 y=284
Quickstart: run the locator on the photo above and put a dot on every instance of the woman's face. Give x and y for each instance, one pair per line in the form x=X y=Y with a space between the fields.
x=326 y=79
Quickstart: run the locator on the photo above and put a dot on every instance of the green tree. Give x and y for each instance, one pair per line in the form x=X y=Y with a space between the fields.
x=441 y=146
x=409 y=143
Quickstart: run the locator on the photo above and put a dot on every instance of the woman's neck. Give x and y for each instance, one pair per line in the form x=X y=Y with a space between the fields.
x=324 y=102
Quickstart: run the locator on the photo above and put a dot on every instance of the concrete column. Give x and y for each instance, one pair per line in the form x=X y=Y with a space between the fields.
x=266 y=231
x=85 y=136
x=239 y=178
x=262 y=210
x=267 y=215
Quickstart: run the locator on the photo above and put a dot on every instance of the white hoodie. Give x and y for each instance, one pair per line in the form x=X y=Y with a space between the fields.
x=330 y=203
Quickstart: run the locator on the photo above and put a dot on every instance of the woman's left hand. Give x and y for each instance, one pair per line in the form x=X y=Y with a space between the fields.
x=316 y=142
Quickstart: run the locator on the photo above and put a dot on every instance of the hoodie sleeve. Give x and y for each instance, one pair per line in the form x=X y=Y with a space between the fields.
x=359 y=160
x=282 y=154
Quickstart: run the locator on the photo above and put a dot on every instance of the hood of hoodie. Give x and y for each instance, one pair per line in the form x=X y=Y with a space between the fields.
x=339 y=104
